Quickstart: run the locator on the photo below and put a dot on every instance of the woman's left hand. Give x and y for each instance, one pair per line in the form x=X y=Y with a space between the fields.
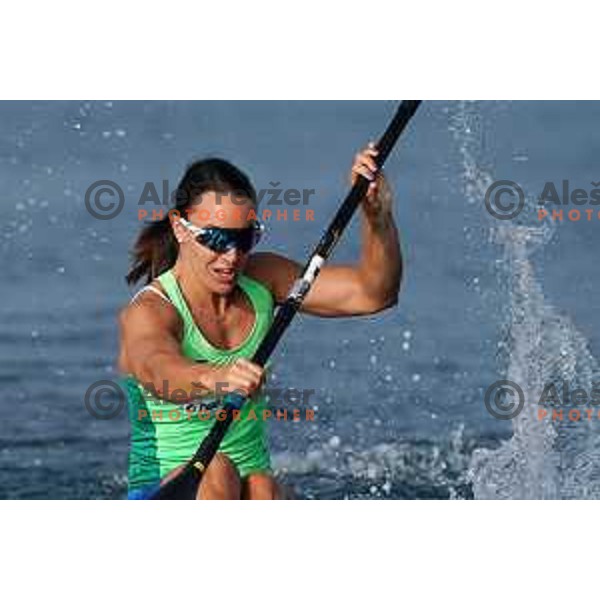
x=378 y=200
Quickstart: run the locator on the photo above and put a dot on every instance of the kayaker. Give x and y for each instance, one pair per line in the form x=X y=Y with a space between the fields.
x=207 y=304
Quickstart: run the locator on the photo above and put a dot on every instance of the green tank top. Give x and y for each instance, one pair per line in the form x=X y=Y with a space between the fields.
x=164 y=435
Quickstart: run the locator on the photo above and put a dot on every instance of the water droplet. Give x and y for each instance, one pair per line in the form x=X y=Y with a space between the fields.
x=373 y=359
x=407 y=335
x=60 y=270
x=405 y=346
x=334 y=441
x=416 y=378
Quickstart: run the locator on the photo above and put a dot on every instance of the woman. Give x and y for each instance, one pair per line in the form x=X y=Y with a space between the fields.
x=208 y=304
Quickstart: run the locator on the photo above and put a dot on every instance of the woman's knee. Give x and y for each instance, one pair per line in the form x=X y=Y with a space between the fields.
x=221 y=480
x=260 y=486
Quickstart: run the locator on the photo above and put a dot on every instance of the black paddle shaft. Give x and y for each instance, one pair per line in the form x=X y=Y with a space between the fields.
x=330 y=238
x=184 y=484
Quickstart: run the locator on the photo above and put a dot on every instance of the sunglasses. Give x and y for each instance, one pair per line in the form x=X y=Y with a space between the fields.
x=221 y=239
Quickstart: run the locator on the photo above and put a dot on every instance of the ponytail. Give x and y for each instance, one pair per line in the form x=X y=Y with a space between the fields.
x=154 y=252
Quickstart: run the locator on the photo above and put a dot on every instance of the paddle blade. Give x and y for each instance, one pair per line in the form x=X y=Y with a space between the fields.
x=182 y=483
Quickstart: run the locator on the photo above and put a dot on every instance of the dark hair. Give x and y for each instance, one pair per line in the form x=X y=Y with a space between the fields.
x=156 y=248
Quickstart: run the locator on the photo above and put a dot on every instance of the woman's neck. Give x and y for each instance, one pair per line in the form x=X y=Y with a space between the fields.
x=198 y=294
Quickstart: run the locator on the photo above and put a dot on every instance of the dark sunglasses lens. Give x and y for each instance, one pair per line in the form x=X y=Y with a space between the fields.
x=247 y=239
x=222 y=240
x=215 y=239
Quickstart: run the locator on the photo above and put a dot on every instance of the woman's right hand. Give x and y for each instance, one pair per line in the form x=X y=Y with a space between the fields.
x=241 y=376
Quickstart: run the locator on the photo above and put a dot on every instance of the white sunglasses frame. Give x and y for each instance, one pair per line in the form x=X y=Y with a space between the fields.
x=199 y=230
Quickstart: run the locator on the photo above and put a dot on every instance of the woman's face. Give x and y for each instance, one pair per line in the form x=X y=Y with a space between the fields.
x=217 y=271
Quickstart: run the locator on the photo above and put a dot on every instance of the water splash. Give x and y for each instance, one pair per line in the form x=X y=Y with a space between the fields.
x=407 y=469
x=545 y=457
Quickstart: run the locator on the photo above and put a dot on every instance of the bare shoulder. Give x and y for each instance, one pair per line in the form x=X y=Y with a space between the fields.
x=274 y=271
x=149 y=311
x=146 y=324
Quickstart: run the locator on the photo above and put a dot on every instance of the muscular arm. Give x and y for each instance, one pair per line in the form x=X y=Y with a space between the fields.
x=339 y=290
x=150 y=349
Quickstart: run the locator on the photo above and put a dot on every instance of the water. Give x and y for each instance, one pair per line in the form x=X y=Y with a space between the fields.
x=399 y=396
x=545 y=458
